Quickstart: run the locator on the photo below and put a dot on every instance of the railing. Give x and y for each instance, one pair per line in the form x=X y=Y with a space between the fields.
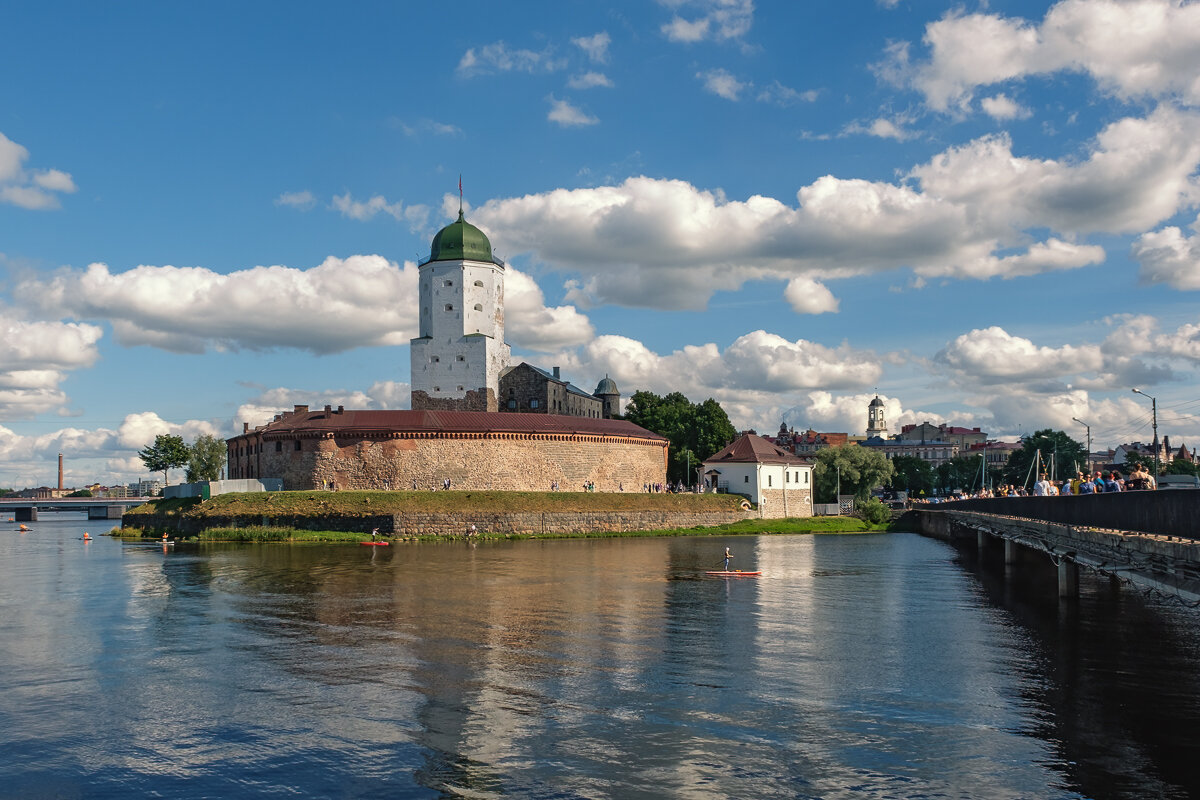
x=1170 y=513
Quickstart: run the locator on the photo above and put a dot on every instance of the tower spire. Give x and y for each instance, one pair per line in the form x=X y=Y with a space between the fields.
x=460 y=196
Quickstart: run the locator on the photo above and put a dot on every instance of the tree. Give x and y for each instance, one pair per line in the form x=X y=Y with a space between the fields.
x=858 y=469
x=81 y=493
x=206 y=457
x=168 y=452
x=1054 y=446
x=912 y=474
x=1179 y=466
x=695 y=431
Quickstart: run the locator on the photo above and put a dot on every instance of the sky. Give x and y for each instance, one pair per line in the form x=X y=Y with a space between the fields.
x=985 y=213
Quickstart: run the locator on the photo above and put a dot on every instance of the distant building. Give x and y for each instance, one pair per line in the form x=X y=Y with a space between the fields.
x=778 y=482
x=965 y=438
x=995 y=454
x=806 y=444
x=531 y=390
x=936 y=453
x=876 y=421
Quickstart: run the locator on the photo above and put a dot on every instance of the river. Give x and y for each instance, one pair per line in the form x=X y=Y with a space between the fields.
x=867 y=666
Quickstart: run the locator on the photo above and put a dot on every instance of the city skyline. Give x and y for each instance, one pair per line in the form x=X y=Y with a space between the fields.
x=986 y=214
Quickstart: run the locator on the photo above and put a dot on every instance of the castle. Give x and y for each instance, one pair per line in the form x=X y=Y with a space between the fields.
x=476 y=421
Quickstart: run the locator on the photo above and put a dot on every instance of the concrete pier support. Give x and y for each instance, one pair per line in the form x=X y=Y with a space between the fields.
x=1068 y=578
x=981 y=539
x=25 y=514
x=1010 y=552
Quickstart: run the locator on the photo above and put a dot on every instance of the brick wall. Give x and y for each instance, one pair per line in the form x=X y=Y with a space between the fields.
x=799 y=503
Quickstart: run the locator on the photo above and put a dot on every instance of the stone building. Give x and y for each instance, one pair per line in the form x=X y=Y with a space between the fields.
x=532 y=390
x=342 y=449
x=965 y=438
x=779 y=483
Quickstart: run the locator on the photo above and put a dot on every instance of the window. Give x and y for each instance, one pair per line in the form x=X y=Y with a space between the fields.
x=297 y=444
x=512 y=403
x=279 y=447
x=449 y=306
x=533 y=403
x=434 y=359
x=460 y=388
x=479 y=284
x=745 y=479
x=461 y=358
x=437 y=388
x=787 y=476
x=479 y=307
x=770 y=478
x=447 y=283
x=806 y=479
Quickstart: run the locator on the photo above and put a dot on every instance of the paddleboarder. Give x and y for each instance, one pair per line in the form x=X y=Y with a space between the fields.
x=728 y=555
x=374 y=534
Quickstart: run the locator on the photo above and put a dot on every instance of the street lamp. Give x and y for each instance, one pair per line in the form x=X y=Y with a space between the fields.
x=1087 y=458
x=1154 y=424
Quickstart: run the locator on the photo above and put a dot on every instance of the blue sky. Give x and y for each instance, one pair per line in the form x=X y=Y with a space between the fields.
x=985 y=212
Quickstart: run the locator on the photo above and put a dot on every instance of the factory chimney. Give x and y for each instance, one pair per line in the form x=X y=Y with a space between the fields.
x=60 y=485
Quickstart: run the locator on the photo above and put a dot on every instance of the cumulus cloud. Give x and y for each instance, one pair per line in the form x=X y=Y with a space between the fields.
x=781 y=95
x=35 y=358
x=595 y=46
x=972 y=211
x=416 y=216
x=1139 y=335
x=31 y=189
x=825 y=411
x=568 y=115
x=722 y=84
x=882 y=128
x=992 y=355
x=807 y=296
x=1131 y=48
x=1171 y=257
x=716 y=20
x=498 y=57
x=1002 y=107
x=301 y=200
x=360 y=301
x=590 y=80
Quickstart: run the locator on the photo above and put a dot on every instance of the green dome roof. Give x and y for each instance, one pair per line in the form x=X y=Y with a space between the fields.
x=606 y=386
x=458 y=240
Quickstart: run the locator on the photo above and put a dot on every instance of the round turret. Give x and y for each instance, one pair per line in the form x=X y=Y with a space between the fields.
x=606 y=386
x=461 y=240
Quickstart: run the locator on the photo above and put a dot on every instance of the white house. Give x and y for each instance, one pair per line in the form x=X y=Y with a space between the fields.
x=779 y=483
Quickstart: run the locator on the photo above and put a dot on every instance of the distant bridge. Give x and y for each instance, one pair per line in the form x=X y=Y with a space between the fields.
x=25 y=509
x=1150 y=539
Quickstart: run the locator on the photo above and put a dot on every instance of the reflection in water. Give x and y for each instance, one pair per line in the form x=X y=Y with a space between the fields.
x=865 y=666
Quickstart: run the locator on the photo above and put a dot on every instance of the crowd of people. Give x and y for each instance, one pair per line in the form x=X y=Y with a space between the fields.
x=1139 y=479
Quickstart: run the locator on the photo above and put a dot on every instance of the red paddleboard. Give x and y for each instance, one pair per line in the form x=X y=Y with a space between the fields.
x=374 y=544
x=737 y=573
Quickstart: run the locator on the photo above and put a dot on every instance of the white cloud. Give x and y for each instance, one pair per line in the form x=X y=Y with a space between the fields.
x=589 y=80
x=718 y=20
x=992 y=355
x=532 y=325
x=301 y=200
x=882 y=128
x=568 y=115
x=497 y=57
x=1131 y=48
x=595 y=46
x=807 y=296
x=1168 y=256
x=36 y=189
x=722 y=84
x=35 y=357
x=1002 y=107
x=416 y=216
x=782 y=95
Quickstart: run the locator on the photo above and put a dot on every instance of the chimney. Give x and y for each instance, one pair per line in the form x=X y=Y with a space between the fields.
x=557 y=376
x=245 y=427
x=60 y=482
x=341 y=409
x=328 y=408
x=301 y=410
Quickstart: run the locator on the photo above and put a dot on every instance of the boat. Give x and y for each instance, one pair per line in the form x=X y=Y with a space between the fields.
x=733 y=573
x=374 y=544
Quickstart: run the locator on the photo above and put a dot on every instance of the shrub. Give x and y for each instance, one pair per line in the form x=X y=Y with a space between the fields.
x=873 y=511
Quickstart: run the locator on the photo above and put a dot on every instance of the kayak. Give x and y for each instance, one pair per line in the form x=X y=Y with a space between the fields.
x=736 y=573
x=374 y=544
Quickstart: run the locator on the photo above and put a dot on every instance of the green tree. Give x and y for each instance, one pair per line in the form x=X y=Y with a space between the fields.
x=1054 y=447
x=206 y=458
x=857 y=469
x=695 y=430
x=81 y=493
x=912 y=474
x=1178 y=466
x=168 y=452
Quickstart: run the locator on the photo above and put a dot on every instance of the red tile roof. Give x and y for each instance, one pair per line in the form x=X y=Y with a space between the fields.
x=753 y=449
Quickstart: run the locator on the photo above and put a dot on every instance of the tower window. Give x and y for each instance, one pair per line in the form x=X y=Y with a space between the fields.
x=461 y=358
x=447 y=283
x=297 y=444
x=434 y=359
x=512 y=403
x=449 y=306
x=460 y=388
x=479 y=307
x=279 y=447
x=479 y=284
x=533 y=403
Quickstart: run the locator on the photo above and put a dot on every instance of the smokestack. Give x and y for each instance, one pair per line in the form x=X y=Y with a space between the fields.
x=557 y=376
x=60 y=484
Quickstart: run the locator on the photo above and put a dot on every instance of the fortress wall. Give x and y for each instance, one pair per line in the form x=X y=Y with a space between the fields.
x=509 y=463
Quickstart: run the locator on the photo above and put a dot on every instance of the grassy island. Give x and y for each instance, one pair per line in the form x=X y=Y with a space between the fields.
x=347 y=516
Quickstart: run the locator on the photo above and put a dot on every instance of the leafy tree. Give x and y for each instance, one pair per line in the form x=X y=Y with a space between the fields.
x=206 y=457
x=859 y=470
x=1054 y=446
x=915 y=475
x=81 y=493
x=1178 y=466
x=695 y=431
x=872 y=510
x=168 y=452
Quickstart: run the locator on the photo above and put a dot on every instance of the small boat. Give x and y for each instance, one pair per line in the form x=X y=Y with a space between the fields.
x=734 y=573
x=374 y=544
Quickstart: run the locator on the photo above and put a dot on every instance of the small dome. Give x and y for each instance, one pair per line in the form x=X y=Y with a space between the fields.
x=606 y=386
x=876 y=402
x=458 y=240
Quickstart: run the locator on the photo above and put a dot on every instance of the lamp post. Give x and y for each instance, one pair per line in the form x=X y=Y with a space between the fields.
x=1087 y=458
x=1154 y=424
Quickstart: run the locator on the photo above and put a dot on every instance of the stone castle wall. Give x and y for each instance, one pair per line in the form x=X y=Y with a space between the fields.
x=509 y=462
x=797 y=504
x=482 y=399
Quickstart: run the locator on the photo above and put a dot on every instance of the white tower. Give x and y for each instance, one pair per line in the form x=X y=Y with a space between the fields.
x=876 y=424
x=460 y=353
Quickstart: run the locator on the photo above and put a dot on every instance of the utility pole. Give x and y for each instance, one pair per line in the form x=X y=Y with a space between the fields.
x=1154 y=424
x=1087 y=457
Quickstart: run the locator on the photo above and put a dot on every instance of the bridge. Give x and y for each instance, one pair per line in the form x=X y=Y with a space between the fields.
x=25 y=509
x=1148 y=539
